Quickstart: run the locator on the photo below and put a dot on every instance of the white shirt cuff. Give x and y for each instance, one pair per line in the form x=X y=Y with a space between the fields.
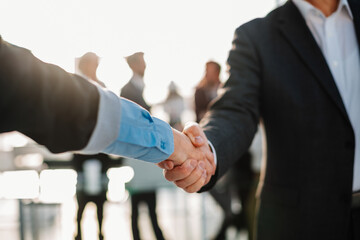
x=108 y=122
x=213 y=151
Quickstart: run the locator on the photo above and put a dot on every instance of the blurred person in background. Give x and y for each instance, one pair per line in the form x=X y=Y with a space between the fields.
x=142 y=188
x=92 y=184
x=174 y=106
x=207 y=88
x=228 y=187
x=134 y=89
x=88 y=65
x=92 y=181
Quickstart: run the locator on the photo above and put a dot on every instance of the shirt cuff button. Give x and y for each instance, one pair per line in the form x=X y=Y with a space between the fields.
x=162 y=145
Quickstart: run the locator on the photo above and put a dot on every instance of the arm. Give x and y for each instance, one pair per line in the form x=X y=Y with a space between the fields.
x=53 y=107
x=231 y=123
x=65 y=112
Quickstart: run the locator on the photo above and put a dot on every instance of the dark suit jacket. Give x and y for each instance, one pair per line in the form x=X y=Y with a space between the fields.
x=131 y=92
x=53 y=107
x=278 y=74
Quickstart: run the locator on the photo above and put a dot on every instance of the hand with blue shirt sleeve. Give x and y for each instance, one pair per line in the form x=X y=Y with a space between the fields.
x=126 y=129
x=141 y=136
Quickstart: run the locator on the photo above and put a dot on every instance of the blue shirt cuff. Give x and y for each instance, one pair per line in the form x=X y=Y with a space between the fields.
x=141 y=136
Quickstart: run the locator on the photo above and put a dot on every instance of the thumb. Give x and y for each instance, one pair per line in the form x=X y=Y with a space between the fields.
x=193 y=131
x=166 y=164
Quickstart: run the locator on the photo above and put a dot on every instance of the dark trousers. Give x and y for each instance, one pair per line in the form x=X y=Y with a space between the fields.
x=148 y=198
x=99 y=201
x=354 y=233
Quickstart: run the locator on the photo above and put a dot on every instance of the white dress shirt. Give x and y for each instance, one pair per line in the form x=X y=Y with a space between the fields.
x=337 y=40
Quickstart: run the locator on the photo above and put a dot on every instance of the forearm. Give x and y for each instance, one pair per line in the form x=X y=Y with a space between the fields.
x=53 y=107
x=65 y=112
x=134 y=132
x=233 y=119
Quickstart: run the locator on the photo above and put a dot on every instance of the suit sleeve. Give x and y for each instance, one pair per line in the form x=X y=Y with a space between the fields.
x=232 y=121
x=53 y=107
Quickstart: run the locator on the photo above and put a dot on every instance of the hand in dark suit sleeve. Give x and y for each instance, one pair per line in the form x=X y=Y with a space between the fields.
x=53 y=107
x=232 y=120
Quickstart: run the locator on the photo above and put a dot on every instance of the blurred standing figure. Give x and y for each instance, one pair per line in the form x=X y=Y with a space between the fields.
x=134 y=89
x=92 y=184
x=174 y=107
x=206 y=90
x=91 y=169
x=229 y=185
x=142 y=188
x=88 y=65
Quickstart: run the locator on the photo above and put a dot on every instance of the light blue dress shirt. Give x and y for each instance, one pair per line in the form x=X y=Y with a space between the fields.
x=124 y=128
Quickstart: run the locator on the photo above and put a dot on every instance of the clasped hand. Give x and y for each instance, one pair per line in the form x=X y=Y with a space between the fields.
x=191 y=165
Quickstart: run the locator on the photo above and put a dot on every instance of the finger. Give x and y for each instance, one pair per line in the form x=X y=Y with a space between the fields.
x=195 y=129
x=194 y=132
x=210 y=169
x=181 y=172
x=195 y=175
x=198 y=185
x=166 y=164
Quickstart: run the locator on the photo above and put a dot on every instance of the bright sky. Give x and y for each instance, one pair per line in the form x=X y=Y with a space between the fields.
x=177 y=37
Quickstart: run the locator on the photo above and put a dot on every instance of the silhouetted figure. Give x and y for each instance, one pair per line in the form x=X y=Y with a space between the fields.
x=133 y=91
x=92 y=184
x=239 y=183
x=88 y=65
x=207 y=88
x=174 y=107
x=227 y=186
x=91 y=169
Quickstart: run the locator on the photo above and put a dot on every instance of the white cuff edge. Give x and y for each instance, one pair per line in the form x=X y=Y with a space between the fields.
x=108 y=122
x=214 y=152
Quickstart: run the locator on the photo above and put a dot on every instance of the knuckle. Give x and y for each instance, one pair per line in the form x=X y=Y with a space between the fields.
x=184 y=171
x=190 y=189
x=179 y=184
x=198 y=173
x=167 y=177
x=183 y=183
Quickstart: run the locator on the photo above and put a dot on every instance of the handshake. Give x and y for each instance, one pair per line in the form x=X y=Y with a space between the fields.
x=191 y=165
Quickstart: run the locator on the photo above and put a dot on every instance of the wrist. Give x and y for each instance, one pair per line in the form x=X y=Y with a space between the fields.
x=179 y=155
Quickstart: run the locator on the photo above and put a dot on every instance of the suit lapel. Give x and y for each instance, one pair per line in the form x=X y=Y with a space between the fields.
x=292 y=25
x=355 y=9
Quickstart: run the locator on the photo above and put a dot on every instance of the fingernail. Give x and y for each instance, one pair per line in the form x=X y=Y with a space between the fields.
x=199 y=139
x=202 y=165
x=167 y=166
x=193 y=163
